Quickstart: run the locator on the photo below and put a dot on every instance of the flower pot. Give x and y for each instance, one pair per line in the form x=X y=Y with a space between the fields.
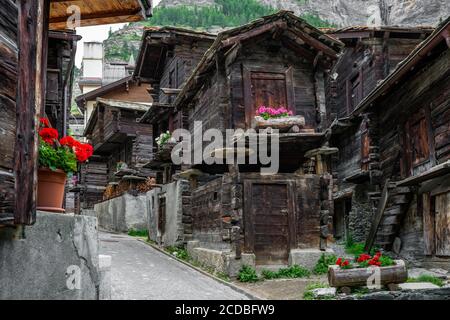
x=282 y=124
x=355 y=277
x=51 y=190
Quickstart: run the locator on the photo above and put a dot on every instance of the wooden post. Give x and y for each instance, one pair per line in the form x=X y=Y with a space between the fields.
x=32 y=35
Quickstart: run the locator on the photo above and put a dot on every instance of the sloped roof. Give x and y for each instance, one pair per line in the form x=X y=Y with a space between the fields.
x=94 y=94
x=134 y=106
x=380 y=31
x=283 y=20
x=154 y=45
x=96 y=12
x=441 y=34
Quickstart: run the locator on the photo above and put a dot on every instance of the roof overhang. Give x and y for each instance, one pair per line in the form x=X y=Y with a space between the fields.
x=94 y=94
x=156 y=42
x=97 y=12
x=294 y=32
x=409 y=64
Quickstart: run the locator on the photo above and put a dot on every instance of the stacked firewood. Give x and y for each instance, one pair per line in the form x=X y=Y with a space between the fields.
x=131 y=186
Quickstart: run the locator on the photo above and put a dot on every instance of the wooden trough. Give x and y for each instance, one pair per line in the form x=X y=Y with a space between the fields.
x=285 y=124
x=357 y=277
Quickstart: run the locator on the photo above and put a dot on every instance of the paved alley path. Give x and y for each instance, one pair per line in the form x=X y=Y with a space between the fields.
x=140 y=272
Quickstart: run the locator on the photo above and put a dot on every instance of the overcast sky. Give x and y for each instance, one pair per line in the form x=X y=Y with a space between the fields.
x=96 y=33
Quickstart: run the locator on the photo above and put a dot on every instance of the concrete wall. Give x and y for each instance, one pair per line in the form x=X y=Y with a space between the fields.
x=173 y=234
x=123 y=213
x=39 y=261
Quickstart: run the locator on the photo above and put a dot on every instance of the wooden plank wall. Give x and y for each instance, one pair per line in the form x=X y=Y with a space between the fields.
x=258 y=55
x=8 y=90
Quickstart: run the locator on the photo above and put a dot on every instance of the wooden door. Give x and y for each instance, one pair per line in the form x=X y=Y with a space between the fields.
x=269 y=215
x=442 y=224
x=267 y=88
x=162 y=214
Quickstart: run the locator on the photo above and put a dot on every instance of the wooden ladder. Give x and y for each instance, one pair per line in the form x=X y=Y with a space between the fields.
x=378 y=216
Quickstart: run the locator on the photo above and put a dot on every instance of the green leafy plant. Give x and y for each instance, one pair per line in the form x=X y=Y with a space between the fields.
x=138 y=233
x=247 y=274
x=309 y=295
x=57 y=158
x=427 y=278
x=180 y=253
x=163 y=138
x=294 y=271
x=324 y=261
x=60 y=154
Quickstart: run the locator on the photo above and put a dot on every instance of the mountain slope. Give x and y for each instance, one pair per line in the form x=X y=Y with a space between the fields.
x=215 y=15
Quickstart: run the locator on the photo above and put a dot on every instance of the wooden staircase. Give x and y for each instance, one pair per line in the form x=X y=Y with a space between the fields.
x=392 y=206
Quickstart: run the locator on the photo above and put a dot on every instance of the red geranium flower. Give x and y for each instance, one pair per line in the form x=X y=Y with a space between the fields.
x=44 y=122
x=345 y=263
x=67 y=141
x=83 y=151
x=49 y=135
x=339 y=261
x=363 y=257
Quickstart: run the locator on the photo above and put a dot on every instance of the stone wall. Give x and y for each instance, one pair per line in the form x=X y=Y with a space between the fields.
x=176 y=218
x=123 y=213
x=360 y=217
x=57 y=258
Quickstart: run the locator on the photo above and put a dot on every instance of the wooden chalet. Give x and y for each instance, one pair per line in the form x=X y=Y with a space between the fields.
x=121 y=147
x=369 y=56
x=278 y=60
x=167 y=59
x=36 y=65
x=412 y=117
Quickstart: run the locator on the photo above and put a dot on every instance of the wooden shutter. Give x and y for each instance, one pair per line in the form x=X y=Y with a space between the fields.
x=417 y=141
x=267 y=88
x=23 y=54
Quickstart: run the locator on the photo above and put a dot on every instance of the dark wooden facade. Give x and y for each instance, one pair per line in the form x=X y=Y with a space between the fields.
x=167 y=59
x=118 y=139
x=402 y=126
x=25 y=44
x=370 y=55
x=276 y=61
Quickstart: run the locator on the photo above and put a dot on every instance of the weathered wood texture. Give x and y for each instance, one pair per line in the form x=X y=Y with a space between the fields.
x=33 y=27
x=363 y=63
x=267 y=216
x=8 y=89
x=338 y=277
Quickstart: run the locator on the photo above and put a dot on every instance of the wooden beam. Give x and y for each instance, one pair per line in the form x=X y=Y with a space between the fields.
x=98 y=15
x=32 y=35
x=170 y=91
x=254 y=32
x=316 y=44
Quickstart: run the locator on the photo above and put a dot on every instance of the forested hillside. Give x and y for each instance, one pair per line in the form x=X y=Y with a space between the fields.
x=225 y=13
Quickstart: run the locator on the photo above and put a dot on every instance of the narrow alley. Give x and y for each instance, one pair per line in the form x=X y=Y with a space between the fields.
x=140 y=272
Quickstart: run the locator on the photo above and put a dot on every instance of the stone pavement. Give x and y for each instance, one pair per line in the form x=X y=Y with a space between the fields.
x=139 y=272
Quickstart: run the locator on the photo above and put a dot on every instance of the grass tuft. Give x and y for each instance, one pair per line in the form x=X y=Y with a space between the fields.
x=138 y=233
x=427 y=278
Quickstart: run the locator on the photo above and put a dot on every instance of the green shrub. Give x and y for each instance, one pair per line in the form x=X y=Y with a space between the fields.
x=324 y=261
x=178 y=252
x=138 y=233
x=427 y=278
x=247 y=274
x=267 y=274
x=294 y=271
